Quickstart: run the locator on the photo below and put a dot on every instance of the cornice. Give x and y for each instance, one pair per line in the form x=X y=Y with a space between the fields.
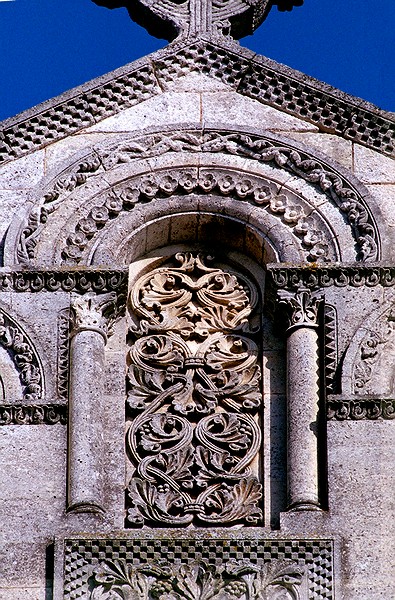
x=64 y=280
x=313 y=276
x=249 y=74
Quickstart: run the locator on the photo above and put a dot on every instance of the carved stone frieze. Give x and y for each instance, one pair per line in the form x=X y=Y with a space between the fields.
x=24 y=357
x=316 y=276
x=85 y=280
x=193 y=569
x=356 y=409
x=233 y=580
x=194 y=394
x=264 y=149
x=29 y=414
x=263 y=80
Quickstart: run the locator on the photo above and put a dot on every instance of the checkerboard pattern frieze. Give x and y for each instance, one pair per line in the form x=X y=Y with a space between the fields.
x=82 y=556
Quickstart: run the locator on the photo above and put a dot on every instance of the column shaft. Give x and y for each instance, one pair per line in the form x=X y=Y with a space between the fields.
x=85 y=491
x=303 y=400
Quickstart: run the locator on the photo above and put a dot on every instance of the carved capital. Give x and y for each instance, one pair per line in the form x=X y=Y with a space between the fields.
x=301 y=307
x=93 y=313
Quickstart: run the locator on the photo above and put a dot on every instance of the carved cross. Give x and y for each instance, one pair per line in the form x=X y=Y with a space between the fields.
x=199 y=18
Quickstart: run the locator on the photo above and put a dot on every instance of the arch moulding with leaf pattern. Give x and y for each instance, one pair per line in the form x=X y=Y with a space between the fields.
x=301 y=198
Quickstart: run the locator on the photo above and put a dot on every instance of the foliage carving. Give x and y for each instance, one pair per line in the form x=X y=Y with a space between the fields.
x=194 y=394
x=234 y=580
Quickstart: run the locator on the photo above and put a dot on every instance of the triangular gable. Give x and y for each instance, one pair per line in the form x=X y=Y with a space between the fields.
x=251 y=75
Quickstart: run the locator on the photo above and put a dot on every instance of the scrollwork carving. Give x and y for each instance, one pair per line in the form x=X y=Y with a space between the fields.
x=317 y=276
x=24 y=357
x=369 y=352
x=372 y=409
x=38 y=414
x=197 y=580
x=94 y=280
x=194 y=391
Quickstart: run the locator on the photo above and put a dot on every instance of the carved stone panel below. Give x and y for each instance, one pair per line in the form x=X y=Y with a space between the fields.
x=184 y=569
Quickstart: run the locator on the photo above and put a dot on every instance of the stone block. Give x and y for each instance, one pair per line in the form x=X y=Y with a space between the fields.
x=372 y=167
x=229 y=108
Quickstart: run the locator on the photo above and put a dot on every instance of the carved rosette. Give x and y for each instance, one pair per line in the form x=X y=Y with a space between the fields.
x=234 y=580
x=193 y=395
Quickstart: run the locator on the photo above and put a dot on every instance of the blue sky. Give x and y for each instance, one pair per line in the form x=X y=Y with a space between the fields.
x=49 y=46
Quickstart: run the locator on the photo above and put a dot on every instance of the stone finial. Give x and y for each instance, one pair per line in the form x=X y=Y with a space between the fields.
x=170 y=19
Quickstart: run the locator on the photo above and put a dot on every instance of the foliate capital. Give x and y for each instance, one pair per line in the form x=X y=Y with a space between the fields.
x=92 y=312
x=301 y=307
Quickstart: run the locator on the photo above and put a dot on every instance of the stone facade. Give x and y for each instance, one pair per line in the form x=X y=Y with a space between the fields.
x=196 y=335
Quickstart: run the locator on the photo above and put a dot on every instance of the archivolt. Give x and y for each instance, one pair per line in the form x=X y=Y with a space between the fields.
x=114 y=169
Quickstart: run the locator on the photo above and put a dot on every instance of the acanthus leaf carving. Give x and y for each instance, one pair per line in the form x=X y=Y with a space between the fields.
x=194 y=388
x=198 y=580
x=301 y=307
x=93 y=312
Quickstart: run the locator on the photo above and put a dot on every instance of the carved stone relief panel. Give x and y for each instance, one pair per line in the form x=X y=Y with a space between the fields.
x=194 y=396
x=186 y=569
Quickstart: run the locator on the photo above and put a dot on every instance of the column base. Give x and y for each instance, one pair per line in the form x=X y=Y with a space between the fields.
x=85 y=507
x=303 y=506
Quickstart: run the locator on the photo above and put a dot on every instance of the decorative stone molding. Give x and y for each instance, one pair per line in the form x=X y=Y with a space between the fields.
x=63 y=280
x=264 y=149
x=226 y=183
x=29 y=414
x=186 y=569
x=199 y=581
x=316 y=276
x=194 y=394
x=256 y=77
x=330 y=348
x=24 y=357
x=63 y=354
x=357 y=409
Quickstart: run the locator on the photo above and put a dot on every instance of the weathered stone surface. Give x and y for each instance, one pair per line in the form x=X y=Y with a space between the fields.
x=154 y=223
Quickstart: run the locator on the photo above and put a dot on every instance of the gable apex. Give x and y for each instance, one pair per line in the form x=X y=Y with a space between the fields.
x=251 y=75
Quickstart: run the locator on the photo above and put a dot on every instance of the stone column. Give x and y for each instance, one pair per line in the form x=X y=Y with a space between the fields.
x=89 y=325
x=302 y=398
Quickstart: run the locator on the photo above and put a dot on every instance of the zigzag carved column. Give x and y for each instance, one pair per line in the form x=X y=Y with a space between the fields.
x=302 y=397
x=89 y=324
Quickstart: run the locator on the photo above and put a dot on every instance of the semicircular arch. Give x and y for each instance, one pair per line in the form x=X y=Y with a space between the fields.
x=325 y=212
